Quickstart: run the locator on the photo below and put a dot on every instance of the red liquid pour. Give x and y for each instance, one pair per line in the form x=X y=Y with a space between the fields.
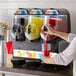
x=46 y=51
x=46 y=43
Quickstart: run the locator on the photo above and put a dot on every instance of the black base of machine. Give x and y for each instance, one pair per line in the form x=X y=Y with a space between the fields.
x=37 y=65
x=18 y=61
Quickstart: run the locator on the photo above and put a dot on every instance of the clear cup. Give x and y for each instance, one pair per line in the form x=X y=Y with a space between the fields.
x=46 y=52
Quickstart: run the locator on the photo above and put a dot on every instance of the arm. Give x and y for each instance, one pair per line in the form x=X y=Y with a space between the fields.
x=65 y=36
x=61 y=35
x=63 y=58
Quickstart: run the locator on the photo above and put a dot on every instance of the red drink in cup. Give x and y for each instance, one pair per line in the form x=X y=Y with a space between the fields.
x=46 y=52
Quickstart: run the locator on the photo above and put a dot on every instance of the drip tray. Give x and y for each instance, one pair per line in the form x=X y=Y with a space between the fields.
x=38 y=66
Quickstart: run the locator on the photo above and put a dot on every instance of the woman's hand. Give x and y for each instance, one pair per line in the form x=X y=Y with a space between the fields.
x=50 y=31
x=45 y=59
x=48 y=60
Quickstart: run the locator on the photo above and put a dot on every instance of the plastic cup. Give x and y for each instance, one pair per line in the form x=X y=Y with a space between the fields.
x=46 y=51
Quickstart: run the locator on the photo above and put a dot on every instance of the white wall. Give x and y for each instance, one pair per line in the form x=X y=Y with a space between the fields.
x=7 y=8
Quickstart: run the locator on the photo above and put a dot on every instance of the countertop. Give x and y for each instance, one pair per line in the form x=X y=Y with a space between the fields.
x=65 y=72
